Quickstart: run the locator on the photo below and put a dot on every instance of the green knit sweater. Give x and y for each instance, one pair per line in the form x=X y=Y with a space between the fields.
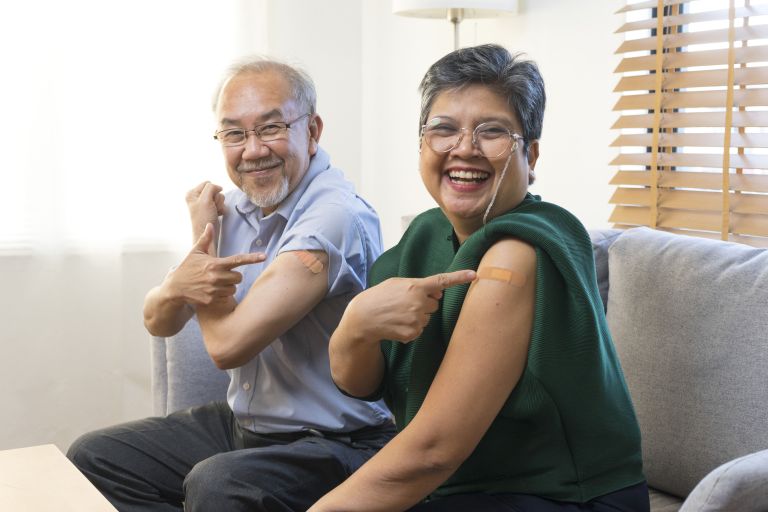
x=568 y=430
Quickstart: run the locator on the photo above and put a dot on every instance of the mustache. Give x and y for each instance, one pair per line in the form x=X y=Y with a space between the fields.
x=258 y=165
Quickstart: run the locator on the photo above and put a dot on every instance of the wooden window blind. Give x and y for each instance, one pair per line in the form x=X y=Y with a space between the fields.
x=693 y=122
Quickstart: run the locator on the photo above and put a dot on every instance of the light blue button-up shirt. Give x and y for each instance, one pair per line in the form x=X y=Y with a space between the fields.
x=288 y=386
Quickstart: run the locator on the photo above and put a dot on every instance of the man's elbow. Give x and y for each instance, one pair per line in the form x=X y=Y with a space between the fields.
x=226 y=352
x=225 y=361
x=164 y=327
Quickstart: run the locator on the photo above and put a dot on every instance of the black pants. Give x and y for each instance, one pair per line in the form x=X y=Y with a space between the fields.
x=630 y=499
x=201 y=460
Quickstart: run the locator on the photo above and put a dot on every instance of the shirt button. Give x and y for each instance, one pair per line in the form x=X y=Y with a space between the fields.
x=247 y=386
x=259 y=242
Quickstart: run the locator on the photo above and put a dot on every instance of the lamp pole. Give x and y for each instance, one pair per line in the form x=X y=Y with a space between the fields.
x=455 y=16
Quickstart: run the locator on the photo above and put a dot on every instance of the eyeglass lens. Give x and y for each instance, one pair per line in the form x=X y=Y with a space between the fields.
x=492 y=139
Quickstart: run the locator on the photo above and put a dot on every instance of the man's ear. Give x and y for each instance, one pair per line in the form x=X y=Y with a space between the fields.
x=315 y=130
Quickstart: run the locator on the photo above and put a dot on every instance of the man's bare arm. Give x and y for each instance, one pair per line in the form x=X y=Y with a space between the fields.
x=291 y=286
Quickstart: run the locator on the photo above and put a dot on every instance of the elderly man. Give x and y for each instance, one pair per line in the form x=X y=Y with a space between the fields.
x=286 y=435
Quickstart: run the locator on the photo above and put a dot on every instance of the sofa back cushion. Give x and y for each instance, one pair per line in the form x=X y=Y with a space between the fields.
x=185 y=376
x=601 y=242
x=689 y=318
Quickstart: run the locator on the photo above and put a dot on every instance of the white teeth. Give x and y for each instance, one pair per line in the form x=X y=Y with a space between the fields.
x=468 y=175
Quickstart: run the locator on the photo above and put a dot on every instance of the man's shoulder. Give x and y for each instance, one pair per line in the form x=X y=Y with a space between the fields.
x=332 y=193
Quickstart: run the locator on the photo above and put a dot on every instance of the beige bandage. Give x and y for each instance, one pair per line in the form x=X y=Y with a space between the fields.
x=501 y=274
x=308 y=259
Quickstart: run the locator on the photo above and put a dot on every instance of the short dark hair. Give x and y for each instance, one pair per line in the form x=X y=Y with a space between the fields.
x=516 y=79
x=302 y=86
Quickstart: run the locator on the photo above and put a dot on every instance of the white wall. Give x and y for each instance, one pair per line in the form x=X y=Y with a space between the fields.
x=75 y=355
x=573 y=43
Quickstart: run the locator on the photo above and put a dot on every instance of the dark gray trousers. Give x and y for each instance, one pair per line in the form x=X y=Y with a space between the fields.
x=201 y=460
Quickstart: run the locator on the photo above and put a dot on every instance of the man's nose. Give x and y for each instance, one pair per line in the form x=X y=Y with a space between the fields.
x=254 y=147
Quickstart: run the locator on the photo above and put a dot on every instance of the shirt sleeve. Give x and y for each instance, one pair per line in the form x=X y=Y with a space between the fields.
x=343 y=236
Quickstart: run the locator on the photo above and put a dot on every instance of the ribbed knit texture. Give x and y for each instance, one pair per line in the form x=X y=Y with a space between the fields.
x=568 y=430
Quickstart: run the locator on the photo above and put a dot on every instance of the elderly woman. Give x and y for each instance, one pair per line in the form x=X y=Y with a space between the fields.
x=507 y=392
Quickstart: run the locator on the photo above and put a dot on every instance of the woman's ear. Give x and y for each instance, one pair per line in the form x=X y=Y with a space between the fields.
x=315 y=130
x=533 y=156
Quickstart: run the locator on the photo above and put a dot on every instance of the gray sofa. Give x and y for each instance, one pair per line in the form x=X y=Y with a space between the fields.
x=689 y=318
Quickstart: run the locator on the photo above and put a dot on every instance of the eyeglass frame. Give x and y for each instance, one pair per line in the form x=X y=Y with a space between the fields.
x=513 y=137
x=255 y=132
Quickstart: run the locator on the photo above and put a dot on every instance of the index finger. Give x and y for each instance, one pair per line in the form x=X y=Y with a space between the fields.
x=439 y=282
x=237 y=260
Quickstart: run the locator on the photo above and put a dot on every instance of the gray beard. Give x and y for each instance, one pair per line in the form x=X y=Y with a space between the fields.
x=269 y=198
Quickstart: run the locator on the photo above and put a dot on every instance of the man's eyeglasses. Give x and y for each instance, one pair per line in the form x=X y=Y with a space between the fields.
x=267 y=132
x=493 y=139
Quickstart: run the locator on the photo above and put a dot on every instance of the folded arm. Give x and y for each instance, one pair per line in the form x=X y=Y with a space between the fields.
x=483 y=363
x=199 y=280
x=291 y=286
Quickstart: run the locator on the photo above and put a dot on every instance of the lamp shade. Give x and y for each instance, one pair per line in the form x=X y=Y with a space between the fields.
x=438 y=8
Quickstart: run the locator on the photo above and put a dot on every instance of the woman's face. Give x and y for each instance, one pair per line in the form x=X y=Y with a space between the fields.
x=463 y=180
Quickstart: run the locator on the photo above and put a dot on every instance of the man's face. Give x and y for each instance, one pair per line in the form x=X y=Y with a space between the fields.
x=266 y=171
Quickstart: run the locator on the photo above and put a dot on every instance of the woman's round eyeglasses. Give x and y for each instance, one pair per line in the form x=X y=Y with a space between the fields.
x=492 y=138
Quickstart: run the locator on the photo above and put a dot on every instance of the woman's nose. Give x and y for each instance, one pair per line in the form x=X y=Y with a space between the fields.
x=466 y=146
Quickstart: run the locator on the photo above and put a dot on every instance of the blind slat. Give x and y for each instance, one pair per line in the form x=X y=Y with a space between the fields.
x=635 y=215
x=649 y=5
x=754 y=225
x=757 y=183
x=709 y=221
x=695 y=99
x=711 y=140
x=707 y=78
x=693 y=160
x=689 y=38
x=697 y=17
x=691 y=200
x=743 y=55
x=694 y=120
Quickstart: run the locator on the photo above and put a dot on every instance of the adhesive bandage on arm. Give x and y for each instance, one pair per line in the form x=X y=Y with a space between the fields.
x=309 y=260
x=501 y=274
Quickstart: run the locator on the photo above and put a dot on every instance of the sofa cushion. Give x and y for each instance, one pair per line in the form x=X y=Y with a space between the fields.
x=688 y=318
x=601 y=241
x=193 y=379
x=740 y=484
x=662 y=502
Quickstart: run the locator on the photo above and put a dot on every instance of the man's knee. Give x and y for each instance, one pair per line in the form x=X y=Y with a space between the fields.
x=86 y=451
x=213 y=480
x=220 y=483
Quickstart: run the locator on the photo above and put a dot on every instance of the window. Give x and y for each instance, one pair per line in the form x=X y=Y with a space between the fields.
x=83 y=83
x=693 y=125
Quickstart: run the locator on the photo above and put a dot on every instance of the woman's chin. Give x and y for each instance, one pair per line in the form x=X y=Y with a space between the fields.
x=462 y=211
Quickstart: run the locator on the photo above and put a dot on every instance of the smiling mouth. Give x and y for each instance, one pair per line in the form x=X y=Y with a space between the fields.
x=258 y=168
x=467 y=176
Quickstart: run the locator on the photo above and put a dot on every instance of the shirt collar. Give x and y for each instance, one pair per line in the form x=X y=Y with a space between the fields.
x=319 y=162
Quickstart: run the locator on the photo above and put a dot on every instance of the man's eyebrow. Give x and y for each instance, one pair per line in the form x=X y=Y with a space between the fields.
x=267 y=116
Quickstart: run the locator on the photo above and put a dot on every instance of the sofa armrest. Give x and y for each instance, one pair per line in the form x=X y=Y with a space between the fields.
x=740 y=484
x=159 y=364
